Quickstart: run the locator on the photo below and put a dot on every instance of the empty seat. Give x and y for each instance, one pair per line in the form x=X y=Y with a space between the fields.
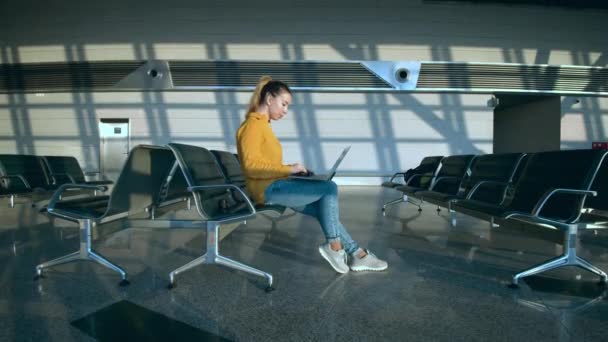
x=209 y=188
x=551 y=192
x=23 y=173
x=490 y=176
x=136 y=188
x=418 y=176
x=447 y=179
x=65 y=169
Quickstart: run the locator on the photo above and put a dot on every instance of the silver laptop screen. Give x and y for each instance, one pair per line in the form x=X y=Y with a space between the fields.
x=339 y=160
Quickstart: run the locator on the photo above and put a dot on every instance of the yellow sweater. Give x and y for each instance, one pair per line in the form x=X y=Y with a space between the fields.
x=261 y=155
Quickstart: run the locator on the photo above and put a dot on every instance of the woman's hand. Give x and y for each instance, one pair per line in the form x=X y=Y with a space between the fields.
x=297 y=168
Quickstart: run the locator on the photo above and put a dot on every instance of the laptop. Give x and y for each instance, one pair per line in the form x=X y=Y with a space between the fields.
x=330 y=174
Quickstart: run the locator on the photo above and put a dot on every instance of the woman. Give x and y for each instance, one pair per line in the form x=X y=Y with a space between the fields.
x=261 y=158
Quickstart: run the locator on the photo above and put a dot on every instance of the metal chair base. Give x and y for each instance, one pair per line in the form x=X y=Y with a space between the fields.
x=212 y=256
x=569 y=258
x=84 y=253
x=404 y=199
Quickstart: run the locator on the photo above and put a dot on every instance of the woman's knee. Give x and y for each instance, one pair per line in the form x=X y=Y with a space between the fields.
x=332 y=187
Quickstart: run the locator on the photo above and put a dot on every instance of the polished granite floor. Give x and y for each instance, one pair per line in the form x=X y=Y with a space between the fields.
x=443 y=283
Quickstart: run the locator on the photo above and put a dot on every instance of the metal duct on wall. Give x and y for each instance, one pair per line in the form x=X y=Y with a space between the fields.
x=299 y=75
x=63 y=76
x=347 y=76
x=513 y=78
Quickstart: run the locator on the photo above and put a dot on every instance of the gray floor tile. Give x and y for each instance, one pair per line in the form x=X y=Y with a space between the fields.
x=443 y=282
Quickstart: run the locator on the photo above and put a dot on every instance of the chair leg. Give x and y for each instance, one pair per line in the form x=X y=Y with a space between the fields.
x=222 y=260
x=453 y=220
x=584 y=264
x=93 y=256
x=61 y=260
x=84 y=253
x=395 y=201
x=546 y=266
x=198 y=261
x=568 y=258
x=212 y=256
x=12 y=201
x=416 y=203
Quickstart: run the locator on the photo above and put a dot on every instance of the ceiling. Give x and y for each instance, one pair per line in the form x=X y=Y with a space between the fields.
x=600 y=4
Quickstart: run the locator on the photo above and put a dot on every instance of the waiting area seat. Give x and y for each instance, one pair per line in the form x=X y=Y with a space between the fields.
x=209 y=187
x=66 y=169
x=420 y=174
x=136 y=188
x=233 y=174
x=23 y=174
x=418 y=177
x=490 y=177
x=556 y=190
x=447 y=179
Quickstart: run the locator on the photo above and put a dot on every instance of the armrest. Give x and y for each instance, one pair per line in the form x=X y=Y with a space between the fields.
x=479 y=184
x=250 y=205
x=57 y=195
x=19 y=177
x=441 y=179
x=100 y=182
x=396 y=174
x=541 y=203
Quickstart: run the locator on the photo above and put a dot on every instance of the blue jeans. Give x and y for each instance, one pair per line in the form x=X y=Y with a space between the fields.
x=314 y=198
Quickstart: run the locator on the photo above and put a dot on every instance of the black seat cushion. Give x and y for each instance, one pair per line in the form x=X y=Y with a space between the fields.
x=481 y=207
x=409 y=190
x=435 y=197
x=90 y=207
x=391 y=184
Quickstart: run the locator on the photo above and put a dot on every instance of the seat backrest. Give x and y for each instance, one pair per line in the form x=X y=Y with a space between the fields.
x=545 y=171
x=491 y=167
x=29 y=167
x=427 y=168
x=64 y=165
x=200 y=168
x=141 y=179
x=230 y=167
x=456 y=168
x=431 y=160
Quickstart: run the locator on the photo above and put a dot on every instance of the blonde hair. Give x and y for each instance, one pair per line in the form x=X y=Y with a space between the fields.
x=256 y=97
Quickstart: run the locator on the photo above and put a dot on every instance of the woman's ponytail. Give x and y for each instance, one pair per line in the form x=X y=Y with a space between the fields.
x=256 y=98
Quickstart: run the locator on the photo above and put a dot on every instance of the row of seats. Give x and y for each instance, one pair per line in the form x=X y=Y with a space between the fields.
x=26 y=174
x=152 y=177
x=564 y=190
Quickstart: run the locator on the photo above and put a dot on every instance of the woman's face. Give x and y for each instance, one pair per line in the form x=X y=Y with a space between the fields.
x=277 y=105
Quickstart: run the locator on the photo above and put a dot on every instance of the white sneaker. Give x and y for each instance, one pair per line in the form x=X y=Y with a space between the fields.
x=370 y=262
x=337 y=259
